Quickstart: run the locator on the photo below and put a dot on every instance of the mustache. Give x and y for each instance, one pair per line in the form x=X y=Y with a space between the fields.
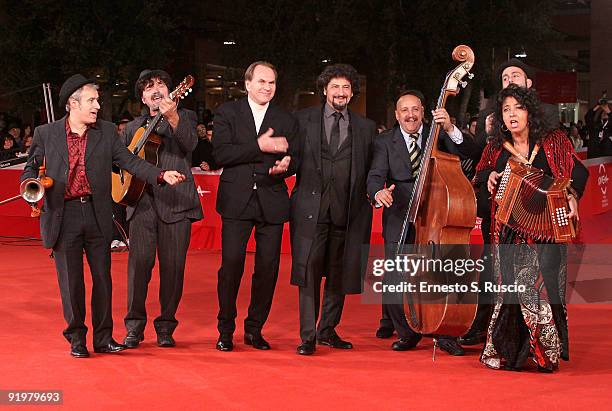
x=157 y=94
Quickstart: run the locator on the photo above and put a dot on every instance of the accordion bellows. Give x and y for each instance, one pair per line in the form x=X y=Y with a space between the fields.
x=534 y=204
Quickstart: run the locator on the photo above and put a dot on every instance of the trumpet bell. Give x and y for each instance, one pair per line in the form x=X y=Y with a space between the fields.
x=31 y=190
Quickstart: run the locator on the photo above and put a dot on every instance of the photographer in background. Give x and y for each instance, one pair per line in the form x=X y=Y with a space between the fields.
x=600 y=130
x=202 y=156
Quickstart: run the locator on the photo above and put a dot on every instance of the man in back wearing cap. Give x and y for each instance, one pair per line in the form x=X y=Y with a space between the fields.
x=161 y=220
x=513 y=71
x=78 y=151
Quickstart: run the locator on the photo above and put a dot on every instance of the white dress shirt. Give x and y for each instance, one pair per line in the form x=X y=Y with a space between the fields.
x=259 y=112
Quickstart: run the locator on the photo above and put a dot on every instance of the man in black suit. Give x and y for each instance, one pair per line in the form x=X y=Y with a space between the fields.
x=161 y=220
x=330 y=214
x=78 y=152
x=395 y=163
x=254 y=142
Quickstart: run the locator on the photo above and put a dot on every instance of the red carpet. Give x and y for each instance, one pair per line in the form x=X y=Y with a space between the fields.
x=34 y=355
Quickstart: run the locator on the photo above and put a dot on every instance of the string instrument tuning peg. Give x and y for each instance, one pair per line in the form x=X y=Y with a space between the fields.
x=470 y=75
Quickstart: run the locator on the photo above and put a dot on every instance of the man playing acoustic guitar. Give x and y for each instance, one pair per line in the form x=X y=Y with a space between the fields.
x=161 y=219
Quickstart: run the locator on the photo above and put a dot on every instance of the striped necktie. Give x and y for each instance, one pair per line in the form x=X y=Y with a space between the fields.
x=414 y=152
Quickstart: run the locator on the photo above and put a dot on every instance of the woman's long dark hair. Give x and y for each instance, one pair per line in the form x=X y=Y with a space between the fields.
x=527 y=98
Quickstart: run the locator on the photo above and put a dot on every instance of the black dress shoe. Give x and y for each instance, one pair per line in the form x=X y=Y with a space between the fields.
x=224 y=343
x=544 y=370
x=79 y=351
x=384 y=332
x=112 y=347
x=451 y=346
x=564 y=353
x=473 y=338
x=334 y=341
x=256 y=340
x=165 y=340
x=133 y=339
x=306 y=348
x=405 y=344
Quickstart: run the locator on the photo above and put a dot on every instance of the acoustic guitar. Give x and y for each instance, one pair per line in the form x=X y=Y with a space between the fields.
x=128 y=189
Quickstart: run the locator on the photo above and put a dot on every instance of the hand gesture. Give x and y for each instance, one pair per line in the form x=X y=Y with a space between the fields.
x=280 y=166
x=385 y=196
x=173 y=177
x=273 y=145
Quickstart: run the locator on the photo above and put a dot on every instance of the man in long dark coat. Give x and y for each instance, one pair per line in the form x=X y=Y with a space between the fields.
x=331 y=217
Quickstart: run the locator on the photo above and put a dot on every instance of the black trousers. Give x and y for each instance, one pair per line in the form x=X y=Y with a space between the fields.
x=119 y=217
x=550 y=258
x=485 y=299
x=394 y=316
x=150 y=236
x=325 y=259
x=80 y=232
x=235 y=235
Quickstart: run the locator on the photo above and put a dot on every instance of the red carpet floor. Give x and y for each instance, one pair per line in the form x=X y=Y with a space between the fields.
x=34 y=355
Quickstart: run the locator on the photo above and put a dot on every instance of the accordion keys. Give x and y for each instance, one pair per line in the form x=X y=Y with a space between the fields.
x=534 y=204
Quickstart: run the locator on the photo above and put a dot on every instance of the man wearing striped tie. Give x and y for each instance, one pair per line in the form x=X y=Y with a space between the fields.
x=395 y=165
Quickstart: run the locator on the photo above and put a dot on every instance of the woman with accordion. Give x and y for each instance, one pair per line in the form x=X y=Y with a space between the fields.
x=535 y=180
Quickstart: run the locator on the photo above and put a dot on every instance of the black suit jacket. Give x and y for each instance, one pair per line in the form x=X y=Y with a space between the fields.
x=391 y=165
x=104 y=147
x=235 y=149
x=306 y=198
x=173 y=203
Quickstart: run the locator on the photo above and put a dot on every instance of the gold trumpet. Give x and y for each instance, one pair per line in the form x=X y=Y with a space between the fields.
x=32 y=190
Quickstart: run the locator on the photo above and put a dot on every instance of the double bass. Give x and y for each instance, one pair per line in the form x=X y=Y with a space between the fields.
x=128 y=189
x=442 y=212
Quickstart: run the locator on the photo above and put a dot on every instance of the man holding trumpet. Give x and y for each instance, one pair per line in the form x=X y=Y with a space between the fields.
x=76 y=217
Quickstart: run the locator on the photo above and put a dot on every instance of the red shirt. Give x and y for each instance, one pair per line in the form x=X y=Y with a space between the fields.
x=77 y=184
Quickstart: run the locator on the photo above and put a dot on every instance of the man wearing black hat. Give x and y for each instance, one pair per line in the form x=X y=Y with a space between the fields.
x=515 y=71
x=78 y=151
x=161 y=220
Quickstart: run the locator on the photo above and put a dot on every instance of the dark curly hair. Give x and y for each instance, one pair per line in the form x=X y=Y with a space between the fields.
x=146 y=77
x=338 y=71
x=527 y=98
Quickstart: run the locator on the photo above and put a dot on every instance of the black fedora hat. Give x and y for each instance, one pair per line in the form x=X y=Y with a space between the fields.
x=514 y=62
x=72 y=84
x=146 y=75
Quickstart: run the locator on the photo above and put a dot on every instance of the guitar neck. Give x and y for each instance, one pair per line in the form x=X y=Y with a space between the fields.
x=148 y=131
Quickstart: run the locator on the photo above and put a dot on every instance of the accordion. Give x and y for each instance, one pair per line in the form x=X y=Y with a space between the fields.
x=534 y=204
